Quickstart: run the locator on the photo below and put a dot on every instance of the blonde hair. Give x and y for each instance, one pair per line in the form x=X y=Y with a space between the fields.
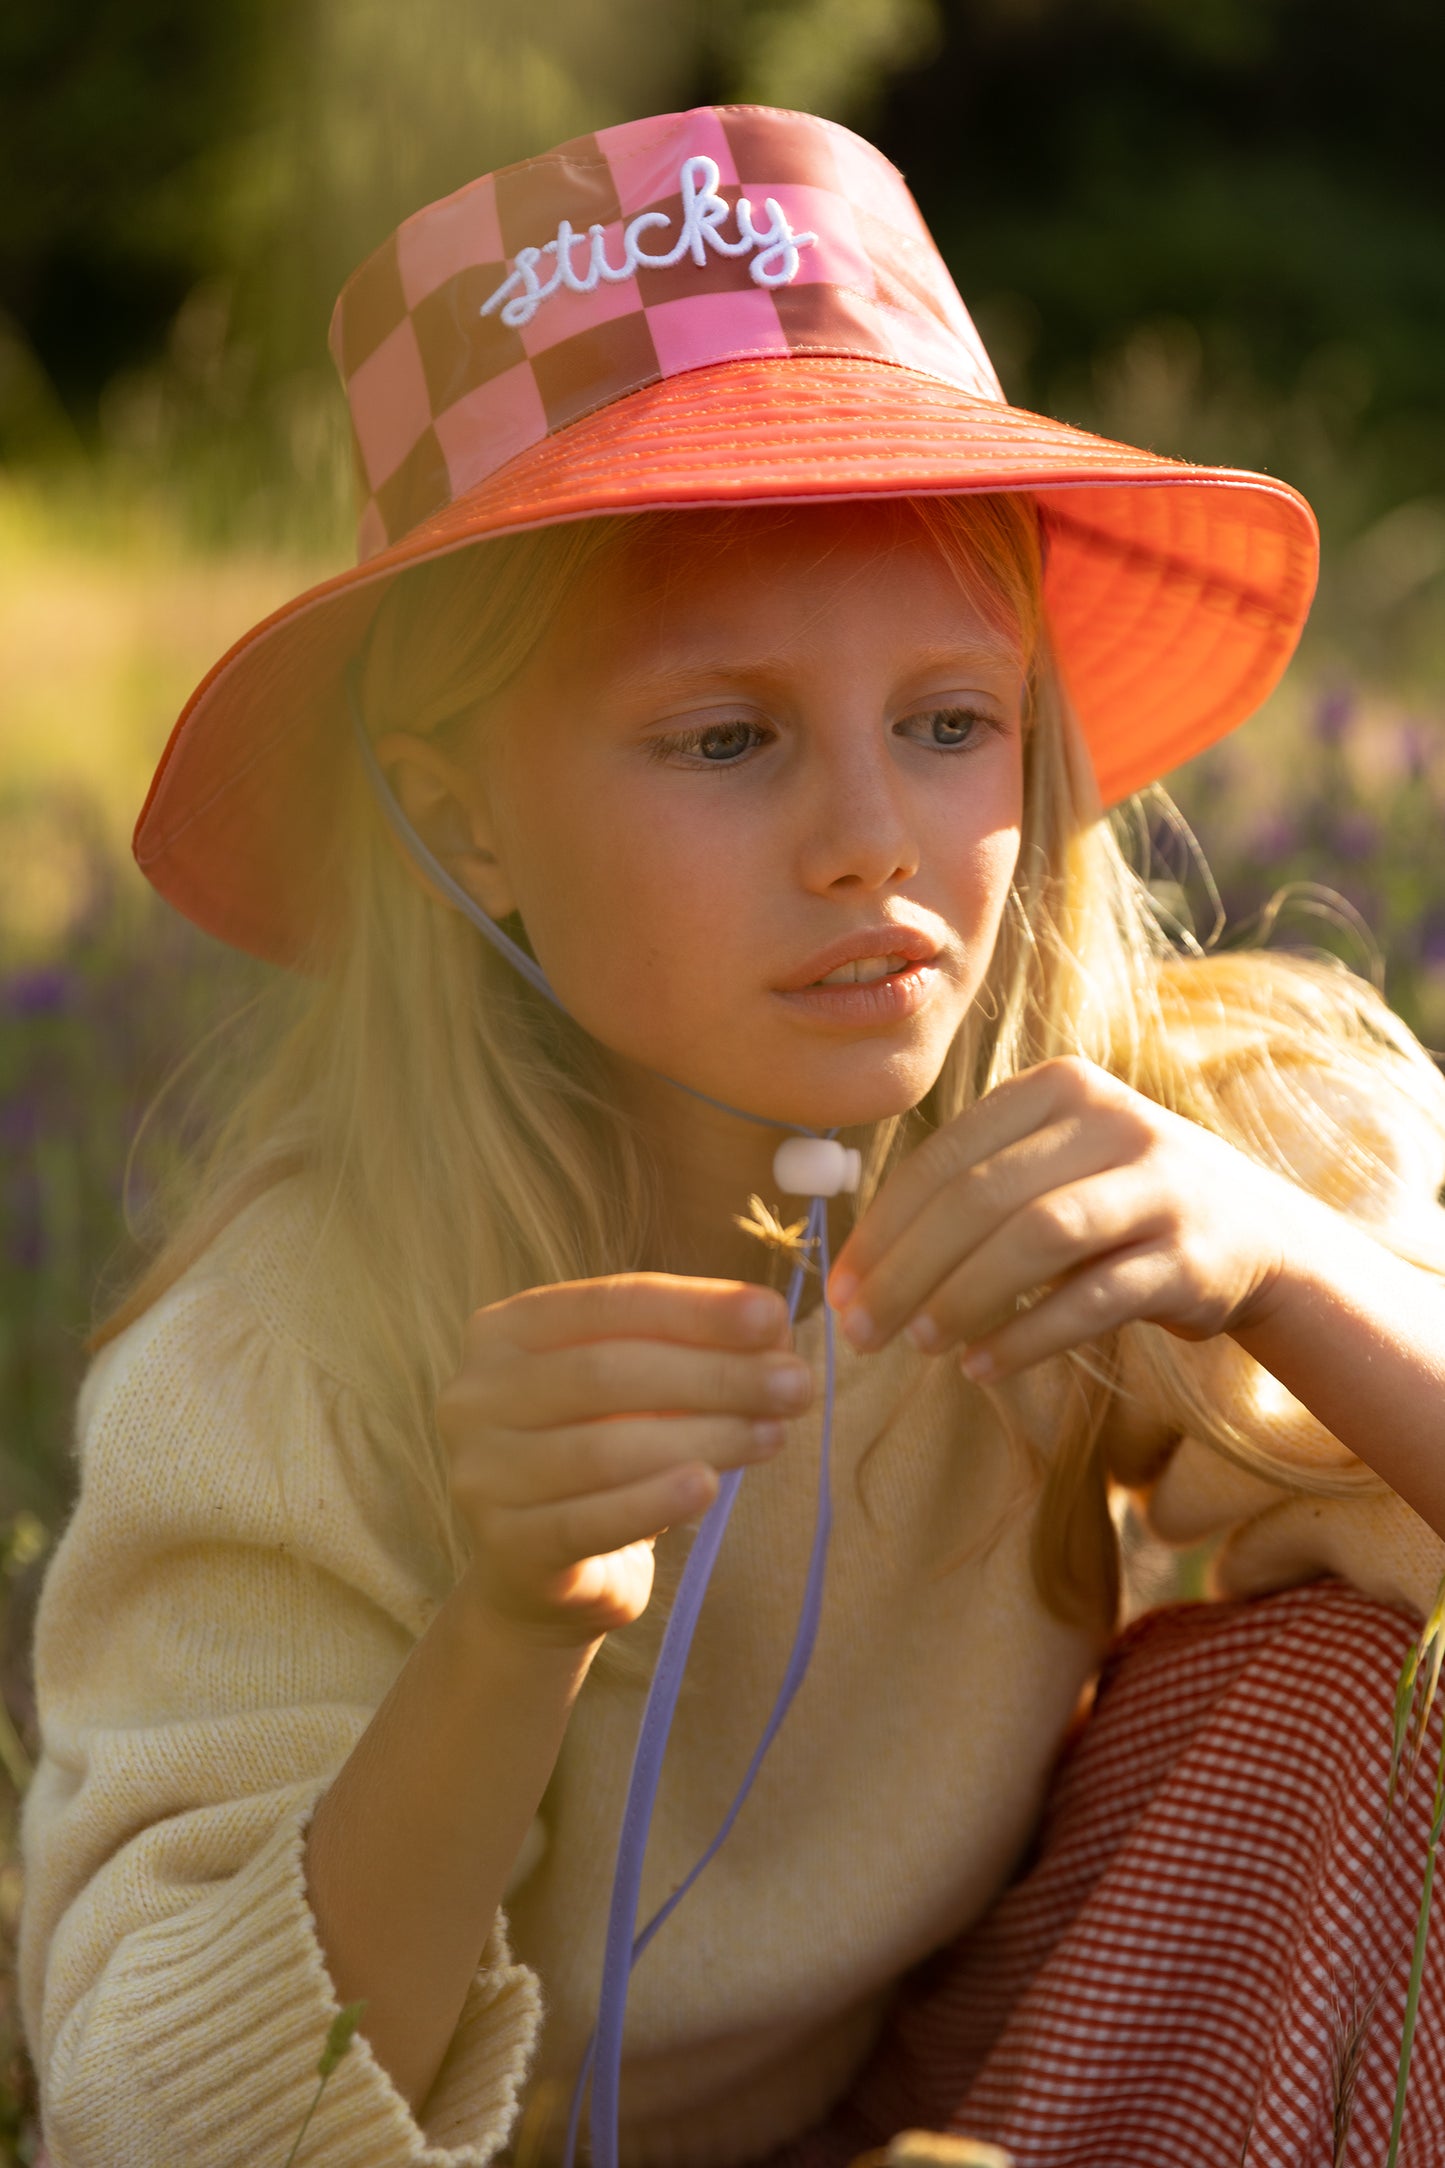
x=457 y=1132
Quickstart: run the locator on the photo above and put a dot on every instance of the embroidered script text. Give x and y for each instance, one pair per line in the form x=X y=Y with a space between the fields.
x=704 y=214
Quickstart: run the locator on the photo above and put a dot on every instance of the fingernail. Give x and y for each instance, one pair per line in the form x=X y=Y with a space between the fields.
x=841 y=1286
x=769 y=1437
x=761 y=1311
x=790 y=1387
x=976 y=1363
x=924 y=1334
x=696 y=1490
x=859 y=1326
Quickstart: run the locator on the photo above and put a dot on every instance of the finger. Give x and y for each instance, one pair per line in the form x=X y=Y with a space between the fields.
x=576 y=1384
x=1051 y=1091
x=1111 y=1292
x=587 y=1457
x=1046 y=1239
x=548 y=1538
x=959 y=1221
x=638 y=1306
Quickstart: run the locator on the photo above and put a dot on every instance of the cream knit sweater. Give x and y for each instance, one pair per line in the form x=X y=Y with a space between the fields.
x=237 y=1591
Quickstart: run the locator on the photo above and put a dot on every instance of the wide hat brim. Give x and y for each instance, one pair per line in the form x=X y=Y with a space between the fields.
x=1175 y=596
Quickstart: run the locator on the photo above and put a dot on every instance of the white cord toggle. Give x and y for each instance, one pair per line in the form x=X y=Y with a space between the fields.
x=816 y=1167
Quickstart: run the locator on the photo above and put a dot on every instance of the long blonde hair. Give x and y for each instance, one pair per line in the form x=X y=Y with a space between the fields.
x=459 y=1139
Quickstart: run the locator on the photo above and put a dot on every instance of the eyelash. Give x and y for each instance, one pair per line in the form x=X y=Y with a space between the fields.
x=691 y=742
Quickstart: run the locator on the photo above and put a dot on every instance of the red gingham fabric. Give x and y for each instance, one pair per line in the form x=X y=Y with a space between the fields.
x=1217 y=1908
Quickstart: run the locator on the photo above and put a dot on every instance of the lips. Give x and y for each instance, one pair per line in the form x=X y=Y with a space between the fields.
x=891 y=947
x=864 y=971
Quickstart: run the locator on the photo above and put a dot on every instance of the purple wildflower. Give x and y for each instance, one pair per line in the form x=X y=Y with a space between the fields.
x=1356 y=833
x=1333 y=714
x=41 y=992
x=1274 y=836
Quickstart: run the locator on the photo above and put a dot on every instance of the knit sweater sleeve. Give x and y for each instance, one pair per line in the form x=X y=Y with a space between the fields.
x=224 y=1613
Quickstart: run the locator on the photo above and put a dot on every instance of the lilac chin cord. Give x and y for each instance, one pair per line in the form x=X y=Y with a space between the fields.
x=625 y=1943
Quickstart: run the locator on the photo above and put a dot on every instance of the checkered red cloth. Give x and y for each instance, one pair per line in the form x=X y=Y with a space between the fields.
x=443 y=391
x=1217 y=1921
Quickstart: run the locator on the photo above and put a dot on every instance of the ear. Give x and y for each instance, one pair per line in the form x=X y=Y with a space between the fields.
x=448 y=806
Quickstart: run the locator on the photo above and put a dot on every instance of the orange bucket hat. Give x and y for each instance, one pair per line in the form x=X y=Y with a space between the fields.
x=727 y=306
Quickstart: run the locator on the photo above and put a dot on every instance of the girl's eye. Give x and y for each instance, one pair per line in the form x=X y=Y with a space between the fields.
x=719 y=745
x=948 y=728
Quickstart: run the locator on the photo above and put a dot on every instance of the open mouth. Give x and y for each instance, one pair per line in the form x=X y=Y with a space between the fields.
x=864 y=971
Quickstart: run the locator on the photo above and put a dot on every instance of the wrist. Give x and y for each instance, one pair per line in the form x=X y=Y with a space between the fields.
x=543 y=1644
x=1319 y=1254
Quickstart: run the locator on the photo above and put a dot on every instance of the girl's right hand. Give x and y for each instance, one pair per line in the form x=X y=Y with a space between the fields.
x=589 y=1416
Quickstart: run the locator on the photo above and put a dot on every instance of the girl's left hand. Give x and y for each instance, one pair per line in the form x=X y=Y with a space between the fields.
x=1066 y=1186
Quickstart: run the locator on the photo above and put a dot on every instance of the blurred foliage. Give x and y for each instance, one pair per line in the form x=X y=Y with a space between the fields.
x=1216 y=226
x=169 y=309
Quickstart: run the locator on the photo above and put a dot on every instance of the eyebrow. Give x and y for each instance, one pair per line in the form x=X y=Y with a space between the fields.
x=700 y=671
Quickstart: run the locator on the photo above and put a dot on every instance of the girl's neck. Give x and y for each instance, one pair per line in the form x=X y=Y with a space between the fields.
x=711 y=1163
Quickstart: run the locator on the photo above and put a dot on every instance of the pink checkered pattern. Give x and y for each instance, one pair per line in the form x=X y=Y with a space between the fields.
x=442 y=395
x=1206 y=1963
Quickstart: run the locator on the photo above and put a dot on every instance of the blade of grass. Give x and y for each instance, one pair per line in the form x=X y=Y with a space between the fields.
x=339 y=2037
x=13 y=1757
x=1417 y=1964
x=1427 y=1655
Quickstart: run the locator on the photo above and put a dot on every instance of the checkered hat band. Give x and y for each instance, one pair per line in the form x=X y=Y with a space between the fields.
x=533 y=296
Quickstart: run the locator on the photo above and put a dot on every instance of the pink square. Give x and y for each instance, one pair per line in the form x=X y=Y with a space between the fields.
x=448 y=237
x=837 y=257
x=564 y=313
x=390 y=407
x=714 y=327
x=490 y=426
x=921 y=342
x=646 y=156
x=866 y=177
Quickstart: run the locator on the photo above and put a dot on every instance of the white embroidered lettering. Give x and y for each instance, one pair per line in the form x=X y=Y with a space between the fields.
x=774 y=247
x=565 y=239
x=777 y=245
x=644 y=223
x=614 y=273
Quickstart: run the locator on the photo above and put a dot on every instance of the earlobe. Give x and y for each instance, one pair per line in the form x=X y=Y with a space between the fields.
x=448 y=807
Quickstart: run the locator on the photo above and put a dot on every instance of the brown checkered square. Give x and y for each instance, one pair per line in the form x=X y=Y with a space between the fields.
x=586 y=371
x=574 y=182
x=420 y=485
x=826 y=319
x=461 y=348
x=769 y=148
x=372 y=306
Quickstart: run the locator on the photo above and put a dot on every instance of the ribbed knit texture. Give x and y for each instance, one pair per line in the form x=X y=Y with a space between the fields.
x=239 y=1587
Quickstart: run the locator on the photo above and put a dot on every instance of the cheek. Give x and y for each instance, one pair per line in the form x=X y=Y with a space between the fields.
x=630 y=915
x=974 y=844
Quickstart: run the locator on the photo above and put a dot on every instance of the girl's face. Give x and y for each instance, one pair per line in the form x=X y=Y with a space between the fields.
x=758 y=806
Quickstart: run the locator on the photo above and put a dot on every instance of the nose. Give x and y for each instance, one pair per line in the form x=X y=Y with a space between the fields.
x=857 y=830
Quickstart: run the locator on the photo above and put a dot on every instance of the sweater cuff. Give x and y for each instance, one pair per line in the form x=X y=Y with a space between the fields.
x=201 y=2044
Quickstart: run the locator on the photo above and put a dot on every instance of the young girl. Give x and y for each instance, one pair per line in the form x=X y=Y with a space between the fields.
x=724 y=639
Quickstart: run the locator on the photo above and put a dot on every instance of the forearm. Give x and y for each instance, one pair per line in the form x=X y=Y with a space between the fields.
x=1358 y=1336
x=411 y=1848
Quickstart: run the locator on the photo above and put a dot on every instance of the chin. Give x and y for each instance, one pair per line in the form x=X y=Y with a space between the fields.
x=856 y=1104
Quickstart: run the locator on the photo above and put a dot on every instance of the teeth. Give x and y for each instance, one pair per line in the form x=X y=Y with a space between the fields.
x=864 y=972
